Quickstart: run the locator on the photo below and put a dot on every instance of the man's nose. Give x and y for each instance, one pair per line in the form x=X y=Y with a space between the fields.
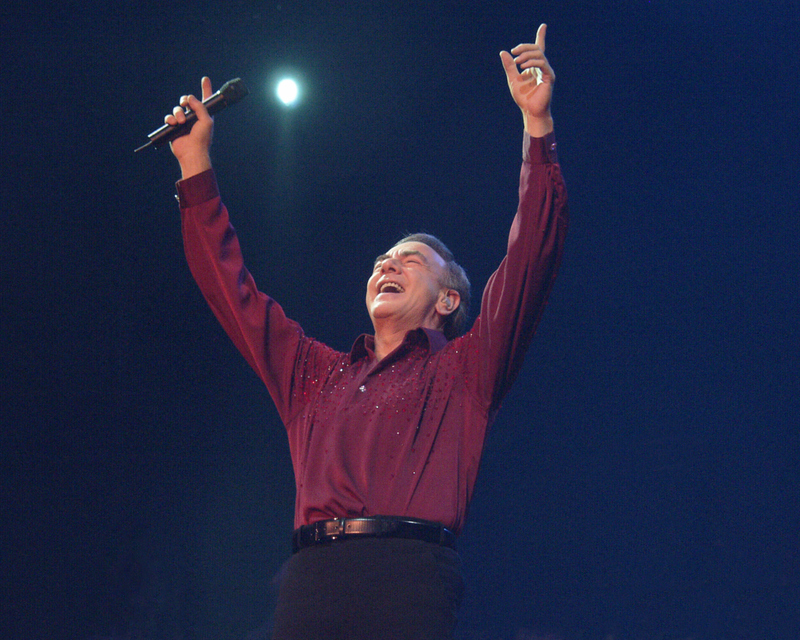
x=390 y=264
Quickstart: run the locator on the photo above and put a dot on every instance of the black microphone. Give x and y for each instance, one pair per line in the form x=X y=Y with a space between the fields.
x=230 y=93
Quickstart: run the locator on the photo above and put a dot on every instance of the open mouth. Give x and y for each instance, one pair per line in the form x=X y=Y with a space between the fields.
x=390 y=287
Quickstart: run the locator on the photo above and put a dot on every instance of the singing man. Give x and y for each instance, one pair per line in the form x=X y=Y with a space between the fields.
x=386 y=439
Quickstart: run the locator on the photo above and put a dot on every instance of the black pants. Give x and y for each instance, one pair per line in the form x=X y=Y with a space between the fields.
x=370 y=588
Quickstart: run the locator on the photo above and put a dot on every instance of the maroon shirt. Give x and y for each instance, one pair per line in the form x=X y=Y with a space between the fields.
x=402 y=436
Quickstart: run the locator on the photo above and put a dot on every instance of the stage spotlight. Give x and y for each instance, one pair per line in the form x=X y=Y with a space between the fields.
x=287 y=91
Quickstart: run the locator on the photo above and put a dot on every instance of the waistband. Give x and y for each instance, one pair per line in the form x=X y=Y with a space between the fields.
x=326 y=531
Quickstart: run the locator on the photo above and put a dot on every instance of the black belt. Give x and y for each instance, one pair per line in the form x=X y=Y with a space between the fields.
x=376 y=527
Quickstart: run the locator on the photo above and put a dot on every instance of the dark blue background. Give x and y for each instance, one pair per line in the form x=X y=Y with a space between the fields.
x=642 y=479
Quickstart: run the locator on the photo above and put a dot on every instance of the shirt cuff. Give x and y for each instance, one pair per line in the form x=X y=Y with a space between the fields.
x=540 y=150
x=198 y=189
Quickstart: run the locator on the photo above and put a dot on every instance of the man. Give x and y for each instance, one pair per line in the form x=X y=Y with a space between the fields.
x=386 y=440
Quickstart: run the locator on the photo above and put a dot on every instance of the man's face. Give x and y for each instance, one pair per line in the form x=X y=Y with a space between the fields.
x=405 y=286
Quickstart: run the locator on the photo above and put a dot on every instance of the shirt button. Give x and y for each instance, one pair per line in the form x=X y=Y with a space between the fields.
x=362 y=388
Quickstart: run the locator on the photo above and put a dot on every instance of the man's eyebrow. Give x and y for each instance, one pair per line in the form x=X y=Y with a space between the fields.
x=403 y=254
x=414 y=252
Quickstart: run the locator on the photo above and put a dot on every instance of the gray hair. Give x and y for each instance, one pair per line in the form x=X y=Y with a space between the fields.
x=454 y=278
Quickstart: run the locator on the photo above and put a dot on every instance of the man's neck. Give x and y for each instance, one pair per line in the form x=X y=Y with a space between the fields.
x=387 y=341
x=390 y=334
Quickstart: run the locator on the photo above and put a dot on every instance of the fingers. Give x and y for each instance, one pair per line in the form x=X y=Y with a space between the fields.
x=178 y=115
x=531 y=61
x=539 y=43
x=531 y=58
x=190 y=102
x=528 y=55
x=205 y=84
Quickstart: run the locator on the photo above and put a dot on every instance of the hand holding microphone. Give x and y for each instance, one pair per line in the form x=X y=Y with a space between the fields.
x=189 y=129
x=192 y=149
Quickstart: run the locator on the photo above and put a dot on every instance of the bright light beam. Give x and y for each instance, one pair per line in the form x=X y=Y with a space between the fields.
x=287 y=91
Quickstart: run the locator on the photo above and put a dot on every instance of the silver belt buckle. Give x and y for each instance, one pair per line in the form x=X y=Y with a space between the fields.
x=334 y=529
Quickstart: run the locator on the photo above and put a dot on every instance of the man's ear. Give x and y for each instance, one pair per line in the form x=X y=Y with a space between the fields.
x=448 y=302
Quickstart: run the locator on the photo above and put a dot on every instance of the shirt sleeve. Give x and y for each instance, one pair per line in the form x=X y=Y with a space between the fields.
x=274 y=345
x=516 y=294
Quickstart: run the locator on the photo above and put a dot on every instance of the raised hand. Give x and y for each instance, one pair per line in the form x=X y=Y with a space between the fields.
x=192 y=149
x=532 y=84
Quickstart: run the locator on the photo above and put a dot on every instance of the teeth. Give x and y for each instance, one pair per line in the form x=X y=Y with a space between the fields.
x=391 y=287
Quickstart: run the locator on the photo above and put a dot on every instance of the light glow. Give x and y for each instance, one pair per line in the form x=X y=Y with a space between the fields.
x=287 y=91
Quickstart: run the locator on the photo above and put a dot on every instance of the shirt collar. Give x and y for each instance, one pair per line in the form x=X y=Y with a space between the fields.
x=430 y=339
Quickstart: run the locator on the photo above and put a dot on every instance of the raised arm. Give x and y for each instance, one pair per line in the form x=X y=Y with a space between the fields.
x=516 y=294
x=274 y=346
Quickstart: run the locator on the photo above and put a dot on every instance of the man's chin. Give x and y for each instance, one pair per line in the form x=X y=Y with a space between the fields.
x=382 y=309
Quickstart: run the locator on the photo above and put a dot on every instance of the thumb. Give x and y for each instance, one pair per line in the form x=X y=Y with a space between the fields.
x=509 y=65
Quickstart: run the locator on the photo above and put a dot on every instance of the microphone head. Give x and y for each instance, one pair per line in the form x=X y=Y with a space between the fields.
x=233 y=91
